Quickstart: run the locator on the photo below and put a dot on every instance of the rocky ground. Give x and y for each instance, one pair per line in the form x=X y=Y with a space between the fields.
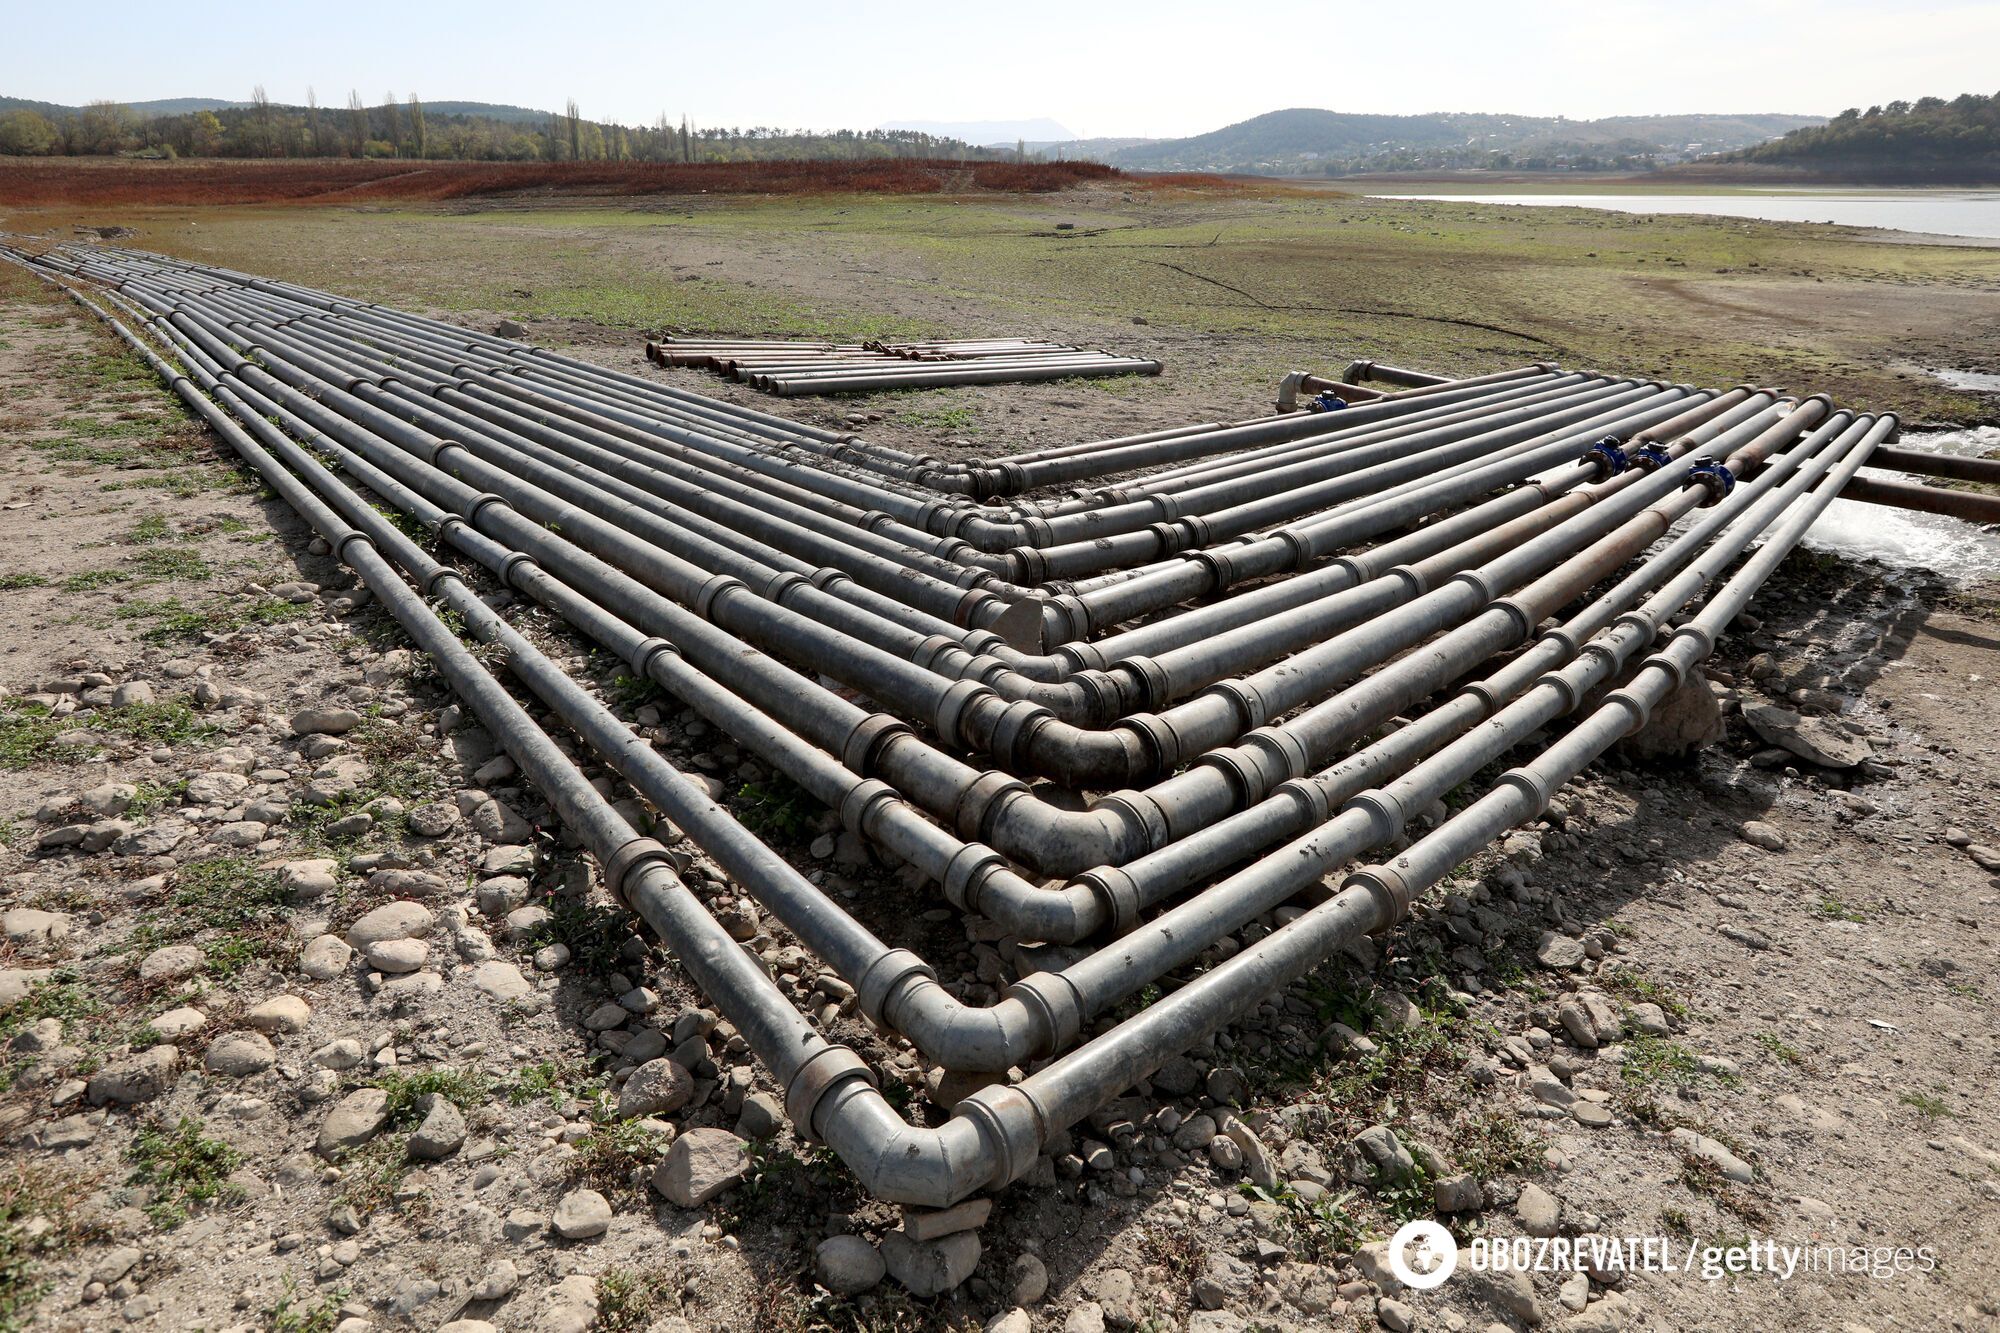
x=313 y=1020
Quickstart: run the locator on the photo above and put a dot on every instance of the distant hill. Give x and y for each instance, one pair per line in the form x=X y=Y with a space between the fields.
x=998 y=133
x=166 y=106
x=1931 y=140
x=1311 y=141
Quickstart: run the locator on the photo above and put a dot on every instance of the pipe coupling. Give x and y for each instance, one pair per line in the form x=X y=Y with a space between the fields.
x=865 y=743
x=1386 y=816
x=982 y=801
x=1314 y=807
x=953 y=705
x=514 y=561
x=1056 y=1005
x=966 y=872
x=857 y=808
x=648 y=651
x=823 y=1071
x=883 y=978
x=711 y=591
x=1012 y=1126
x=1014 y=731
x=1118 y=892
x=1391 y=893
x=1529 y=784
x=631 y=860
x=1140 y=814
x=479 y=502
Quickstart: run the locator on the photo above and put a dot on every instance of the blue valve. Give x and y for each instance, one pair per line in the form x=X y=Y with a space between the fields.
x=1715 y=476
x=1651 y=457
x=1609 y=455
x=1326 y=400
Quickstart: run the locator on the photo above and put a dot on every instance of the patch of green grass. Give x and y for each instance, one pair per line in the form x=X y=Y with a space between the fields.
x=1492 y=1143
x=628 y=1301
x=1928 y=1105
x=556 y=1081
x=594 y=934
x=1779 y=1049
x=1658 y=1062
x=150 y=796
x=40 y=1219
x=1834 y=909
x=62 y=994
x=373 y=1172
x=224 y=893
x=170 y=562
x=183 y=1168
x=174 y=619
x=28 y=733
x=91 y=579
x=164 y=722
x=1638 y=987
x=9 y=582
x=777 y=807
x=150 y=528
x=608 y=1157
x=932 y=408
x=464 y=1088
x=306 y=1313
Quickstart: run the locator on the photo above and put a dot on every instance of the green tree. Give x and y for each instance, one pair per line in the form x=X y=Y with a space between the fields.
x=27 y=134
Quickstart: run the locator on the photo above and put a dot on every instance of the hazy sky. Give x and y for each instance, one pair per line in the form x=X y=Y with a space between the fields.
x=1160 y=69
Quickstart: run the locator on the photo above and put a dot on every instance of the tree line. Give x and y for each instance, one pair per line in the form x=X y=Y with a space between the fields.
x=1927 y=137
x=402 y=128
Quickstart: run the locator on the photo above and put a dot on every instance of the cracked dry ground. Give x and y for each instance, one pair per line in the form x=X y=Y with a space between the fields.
x=222 y=773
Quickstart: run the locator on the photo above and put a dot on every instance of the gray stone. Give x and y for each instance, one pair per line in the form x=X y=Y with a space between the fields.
x=325 y=721
x=1709 y=1150
x=396 y=956
x=1028 y=1277
x=325 y=957
x=701 y=1164
x=1538 y=1211
x=581 y=1214
x=1257 y=1162
x=139 y=1079
x=500 y=980
x=1815 y=740
x=280 y=1013
x=391 y=921
x=171 y=962
x=442 y=1130
x=1688 y=719
x=1383 y=1155
x=848 y=1265
x=762 y=1117
x=1760 y=834
x=1558 y=951
x=31 y=928
x=354 y=1120
x=927 y=1224
x=658 y=1087
x=239 y=1054
x=1458 y=1194
x=930 y=1268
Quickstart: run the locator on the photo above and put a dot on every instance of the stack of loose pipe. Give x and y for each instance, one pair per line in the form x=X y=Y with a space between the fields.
x=791 y=368
x=1014 y=698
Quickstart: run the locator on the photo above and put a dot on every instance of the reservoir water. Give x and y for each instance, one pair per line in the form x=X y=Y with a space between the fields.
x=1933 y=212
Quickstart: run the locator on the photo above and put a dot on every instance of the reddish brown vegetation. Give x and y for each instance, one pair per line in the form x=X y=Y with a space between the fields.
x=41 y=183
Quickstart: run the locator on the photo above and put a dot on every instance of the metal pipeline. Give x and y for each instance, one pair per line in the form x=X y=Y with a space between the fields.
x=732 y=558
